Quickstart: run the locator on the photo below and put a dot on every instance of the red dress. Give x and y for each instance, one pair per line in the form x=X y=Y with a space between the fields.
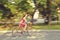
x=22 y=23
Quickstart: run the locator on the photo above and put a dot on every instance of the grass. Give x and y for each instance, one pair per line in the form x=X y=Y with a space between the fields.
x=40 y=27
x=47 y=27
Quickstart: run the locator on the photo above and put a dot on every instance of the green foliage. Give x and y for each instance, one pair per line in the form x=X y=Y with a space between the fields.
x=3 y=1
x=21 y=6
x=53 y=7
x=42 y=2
x=24 y=6
x=1 y=11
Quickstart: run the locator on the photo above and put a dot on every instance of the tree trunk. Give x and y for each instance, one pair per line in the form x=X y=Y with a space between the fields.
x=48 y=12
x=45 y=11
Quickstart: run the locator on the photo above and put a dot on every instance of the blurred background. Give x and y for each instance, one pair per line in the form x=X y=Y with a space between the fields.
x=46 y=13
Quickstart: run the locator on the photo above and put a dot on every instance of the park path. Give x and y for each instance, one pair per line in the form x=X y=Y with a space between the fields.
x=32 y=35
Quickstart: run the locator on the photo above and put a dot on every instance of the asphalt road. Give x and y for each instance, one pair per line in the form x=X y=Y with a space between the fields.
x=31 y=35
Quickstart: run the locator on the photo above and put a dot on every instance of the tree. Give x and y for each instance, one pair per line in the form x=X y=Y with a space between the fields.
x=6 y=12
x=24 y=6
x=46 y=7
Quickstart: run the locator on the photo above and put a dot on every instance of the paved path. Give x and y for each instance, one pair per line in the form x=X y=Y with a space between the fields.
x=31 y=35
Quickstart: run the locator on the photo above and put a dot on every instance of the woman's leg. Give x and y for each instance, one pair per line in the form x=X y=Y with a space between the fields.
x=25 y=27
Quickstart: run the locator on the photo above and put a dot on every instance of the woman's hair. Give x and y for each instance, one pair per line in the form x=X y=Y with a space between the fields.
x=23 y=16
